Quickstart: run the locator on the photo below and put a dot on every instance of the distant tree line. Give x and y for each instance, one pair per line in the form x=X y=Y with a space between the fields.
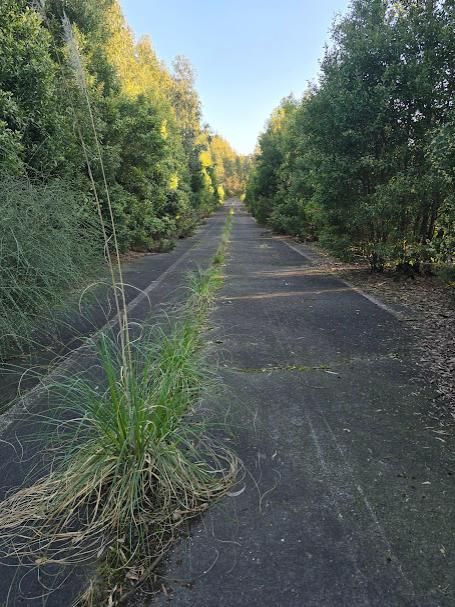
x=365 y=161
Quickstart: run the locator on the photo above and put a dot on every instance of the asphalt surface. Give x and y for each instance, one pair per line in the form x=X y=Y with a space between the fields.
x=349 y=496
x=157 y=283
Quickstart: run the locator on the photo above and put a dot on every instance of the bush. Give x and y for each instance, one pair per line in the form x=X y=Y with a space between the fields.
x=49 y=247
x=447 y=273
x=338 y=245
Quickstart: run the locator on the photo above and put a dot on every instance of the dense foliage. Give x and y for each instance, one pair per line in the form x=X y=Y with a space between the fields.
x=83 y=104
x=365 y=160
x=158 y=158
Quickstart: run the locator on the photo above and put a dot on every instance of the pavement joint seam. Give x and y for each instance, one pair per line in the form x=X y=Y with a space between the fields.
x=309 y=368
x=300 y=293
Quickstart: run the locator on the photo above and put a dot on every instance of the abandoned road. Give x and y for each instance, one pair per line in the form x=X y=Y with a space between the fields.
x=348 y=496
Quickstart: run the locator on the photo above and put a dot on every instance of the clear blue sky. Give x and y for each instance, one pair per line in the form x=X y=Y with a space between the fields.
x=248 y=54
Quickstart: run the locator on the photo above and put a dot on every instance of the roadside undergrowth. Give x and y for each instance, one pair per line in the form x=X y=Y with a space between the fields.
x=131 y=459
x=50 y=247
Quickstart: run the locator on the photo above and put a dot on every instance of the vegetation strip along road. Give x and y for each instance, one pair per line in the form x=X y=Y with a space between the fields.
x=129 y=461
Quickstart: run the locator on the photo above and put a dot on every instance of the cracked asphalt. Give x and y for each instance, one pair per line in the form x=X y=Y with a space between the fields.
x=348 y=498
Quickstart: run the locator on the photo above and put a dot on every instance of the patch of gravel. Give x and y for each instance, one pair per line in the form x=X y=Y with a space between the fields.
x=429 y=305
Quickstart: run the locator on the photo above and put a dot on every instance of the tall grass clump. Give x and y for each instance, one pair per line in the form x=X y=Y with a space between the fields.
x=131 y=456
x=49 y=247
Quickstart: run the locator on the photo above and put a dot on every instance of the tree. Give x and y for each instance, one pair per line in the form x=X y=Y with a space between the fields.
x=359 y=162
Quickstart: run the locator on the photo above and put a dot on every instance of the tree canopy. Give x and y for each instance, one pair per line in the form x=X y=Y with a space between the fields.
x=364 y=161
x=159 y=163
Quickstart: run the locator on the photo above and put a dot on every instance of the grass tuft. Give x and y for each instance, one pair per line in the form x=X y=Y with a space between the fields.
x=132 y=458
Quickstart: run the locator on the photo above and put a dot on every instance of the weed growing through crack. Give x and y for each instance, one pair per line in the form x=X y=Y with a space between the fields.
x=132 y=461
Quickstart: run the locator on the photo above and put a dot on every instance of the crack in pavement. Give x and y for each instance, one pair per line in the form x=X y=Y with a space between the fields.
x=310 y=368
